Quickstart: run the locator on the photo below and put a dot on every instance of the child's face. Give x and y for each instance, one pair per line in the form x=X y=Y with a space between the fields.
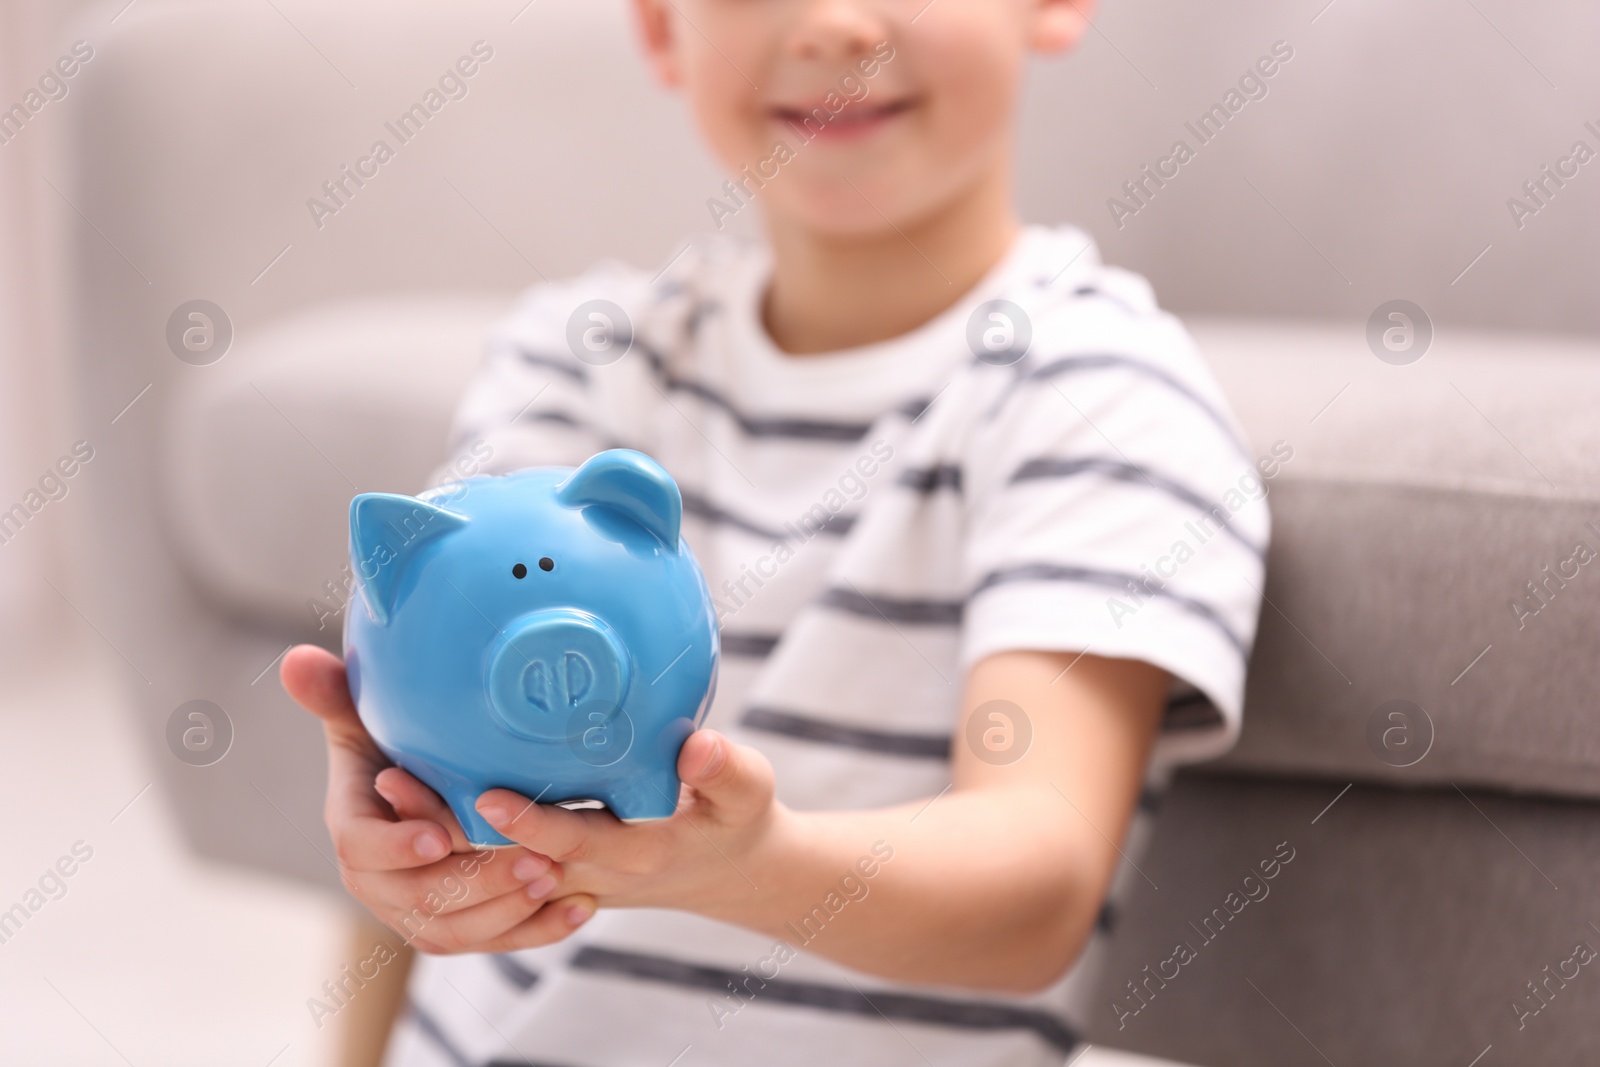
x=887 y=109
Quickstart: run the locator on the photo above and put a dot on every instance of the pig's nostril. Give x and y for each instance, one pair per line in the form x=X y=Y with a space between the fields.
x=519 y=571
x=546 y=563
x=558 y=684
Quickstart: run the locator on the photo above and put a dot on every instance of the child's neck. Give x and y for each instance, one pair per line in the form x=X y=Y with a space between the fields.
x=830 y=292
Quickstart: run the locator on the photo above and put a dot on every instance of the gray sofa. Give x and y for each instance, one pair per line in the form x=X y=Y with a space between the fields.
x=1420 y=501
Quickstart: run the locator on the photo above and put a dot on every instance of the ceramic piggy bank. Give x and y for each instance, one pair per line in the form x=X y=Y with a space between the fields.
x=547 y=631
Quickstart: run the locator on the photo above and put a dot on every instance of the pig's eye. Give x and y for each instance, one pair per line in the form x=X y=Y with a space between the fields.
x=546 y=563
x=519 y=571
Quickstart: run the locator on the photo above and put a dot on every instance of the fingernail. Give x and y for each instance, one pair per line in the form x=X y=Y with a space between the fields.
x=541 y=888
x=579 y=914
x=429 y=847
x=528 y=868
x=494 y=813
x=713 y=762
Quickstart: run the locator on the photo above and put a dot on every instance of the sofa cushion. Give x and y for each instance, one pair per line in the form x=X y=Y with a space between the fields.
x=1419 y=503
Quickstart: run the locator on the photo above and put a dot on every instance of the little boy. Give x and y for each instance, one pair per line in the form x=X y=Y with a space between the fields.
x=986 y=548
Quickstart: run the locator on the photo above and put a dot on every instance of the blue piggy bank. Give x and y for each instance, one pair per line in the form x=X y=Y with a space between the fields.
x=547 y=631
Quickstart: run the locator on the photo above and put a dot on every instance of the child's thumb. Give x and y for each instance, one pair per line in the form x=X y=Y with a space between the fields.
x=734 y=779
x=315 y=679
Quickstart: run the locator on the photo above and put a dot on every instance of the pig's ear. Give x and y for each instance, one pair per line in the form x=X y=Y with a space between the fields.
x=386 y=530
x=632 y=483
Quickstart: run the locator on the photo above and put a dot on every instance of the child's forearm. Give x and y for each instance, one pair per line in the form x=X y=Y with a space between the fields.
x=996 y=883
x=993 y=887
x=993 y=884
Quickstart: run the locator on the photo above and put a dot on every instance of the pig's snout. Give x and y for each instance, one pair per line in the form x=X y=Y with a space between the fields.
x=553 y=671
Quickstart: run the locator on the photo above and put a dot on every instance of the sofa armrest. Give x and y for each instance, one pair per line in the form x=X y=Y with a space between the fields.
x=265 y=449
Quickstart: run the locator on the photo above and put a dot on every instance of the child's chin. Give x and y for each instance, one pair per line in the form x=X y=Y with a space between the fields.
x=862 y=206
x=838 y=217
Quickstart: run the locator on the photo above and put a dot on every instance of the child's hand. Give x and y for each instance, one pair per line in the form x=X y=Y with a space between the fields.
x=703 y=858
x=402 y=853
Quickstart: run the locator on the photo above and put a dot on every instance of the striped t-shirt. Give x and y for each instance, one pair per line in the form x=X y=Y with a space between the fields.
x=1058 y=471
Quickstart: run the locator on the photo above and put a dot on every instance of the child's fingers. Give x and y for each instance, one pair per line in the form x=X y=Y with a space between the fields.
x=410 y=799
x=734 y=781
x=459 y=883
x=565 y=836
x=364 y=836
x=471 y=929
x=315 y=679
x=551 y=923
x=365 y=843
x=466 y=930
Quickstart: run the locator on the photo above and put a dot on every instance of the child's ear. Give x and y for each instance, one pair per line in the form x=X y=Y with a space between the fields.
x=658 y=33
x=1058 y=25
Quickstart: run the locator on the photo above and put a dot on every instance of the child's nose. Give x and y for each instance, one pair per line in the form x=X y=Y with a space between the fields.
x=833 y=30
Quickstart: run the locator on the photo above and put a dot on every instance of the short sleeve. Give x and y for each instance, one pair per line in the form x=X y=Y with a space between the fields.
x=1113 y=510
x=533 y=401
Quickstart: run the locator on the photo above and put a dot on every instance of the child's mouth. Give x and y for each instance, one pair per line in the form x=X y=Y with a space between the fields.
x=856 y=119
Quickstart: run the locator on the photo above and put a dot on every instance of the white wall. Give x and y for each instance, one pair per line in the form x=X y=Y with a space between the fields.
x=32 y=331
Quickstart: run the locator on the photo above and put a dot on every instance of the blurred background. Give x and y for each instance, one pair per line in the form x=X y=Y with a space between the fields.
x=172 y=486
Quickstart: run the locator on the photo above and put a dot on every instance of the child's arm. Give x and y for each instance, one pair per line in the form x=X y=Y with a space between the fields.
x=998 y=883
x=994 y=884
